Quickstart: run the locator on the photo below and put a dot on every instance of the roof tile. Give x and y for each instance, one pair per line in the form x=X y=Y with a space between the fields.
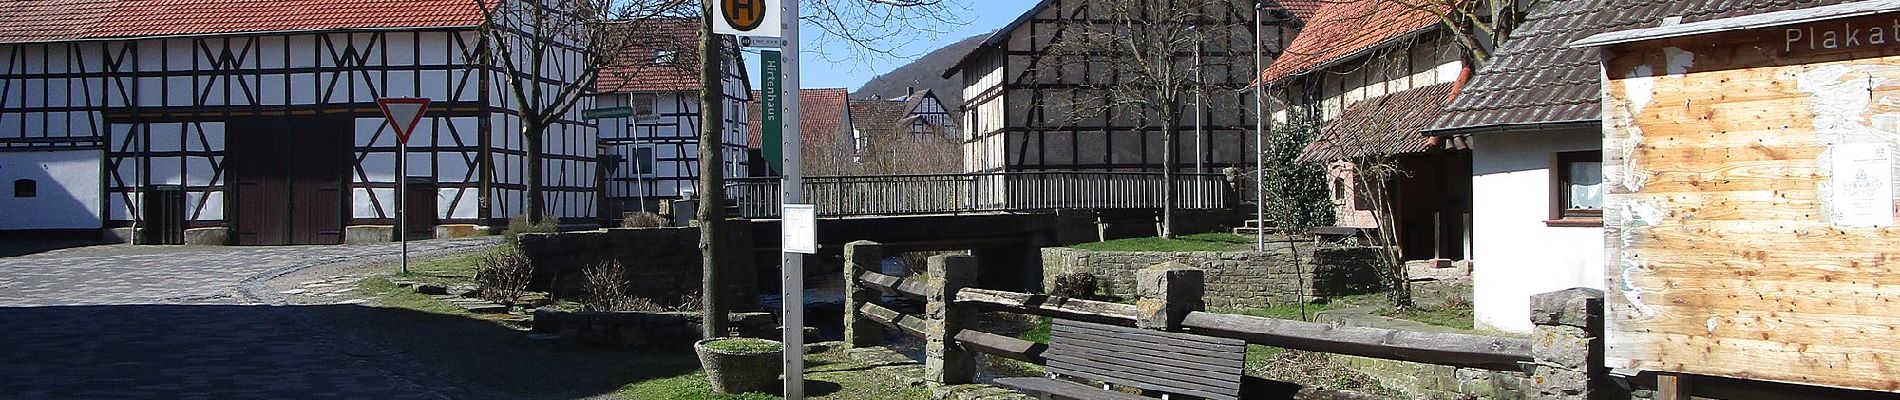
x=1342 y=28
x=1386 y=124
x=48 y=20
x=821 y=113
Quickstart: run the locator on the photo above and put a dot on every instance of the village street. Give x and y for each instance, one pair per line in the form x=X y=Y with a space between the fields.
x=129 y=322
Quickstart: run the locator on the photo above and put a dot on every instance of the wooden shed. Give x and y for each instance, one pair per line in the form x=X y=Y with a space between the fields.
x=1749 y=219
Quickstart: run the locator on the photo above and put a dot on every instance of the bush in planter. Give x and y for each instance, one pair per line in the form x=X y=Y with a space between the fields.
x=739 y=365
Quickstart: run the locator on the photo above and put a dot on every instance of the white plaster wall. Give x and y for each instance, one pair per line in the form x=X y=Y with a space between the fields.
x=1515 y=254
x=68 y=190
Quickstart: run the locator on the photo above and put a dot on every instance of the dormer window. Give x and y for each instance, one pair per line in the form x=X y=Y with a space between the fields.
x=665 y=57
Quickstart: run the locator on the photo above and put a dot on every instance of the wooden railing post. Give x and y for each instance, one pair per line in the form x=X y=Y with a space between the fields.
x=946 y=362
x=1169 y=291
x=1567 y=345
x=860 y=256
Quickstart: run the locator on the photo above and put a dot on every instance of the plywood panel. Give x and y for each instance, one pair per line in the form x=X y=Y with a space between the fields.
x=1722 y=257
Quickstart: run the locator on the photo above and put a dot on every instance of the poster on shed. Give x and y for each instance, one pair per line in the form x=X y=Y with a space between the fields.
x=1861 y=188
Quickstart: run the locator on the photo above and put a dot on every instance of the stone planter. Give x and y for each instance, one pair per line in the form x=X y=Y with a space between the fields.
x=745 y=367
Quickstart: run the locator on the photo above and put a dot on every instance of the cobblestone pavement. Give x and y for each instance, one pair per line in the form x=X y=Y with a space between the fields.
x=126 y=322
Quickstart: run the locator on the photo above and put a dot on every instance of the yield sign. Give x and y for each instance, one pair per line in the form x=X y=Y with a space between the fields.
x=403 y=113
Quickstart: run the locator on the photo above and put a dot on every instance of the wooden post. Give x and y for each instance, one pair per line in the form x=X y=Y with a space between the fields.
x=1169 y=291
x=1670 y=386
x=860 y=257
x=945 y=362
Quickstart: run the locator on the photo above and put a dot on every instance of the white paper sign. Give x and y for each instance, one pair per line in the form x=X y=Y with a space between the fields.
x=799 y=229
x=746 y=17
x=1861 y=192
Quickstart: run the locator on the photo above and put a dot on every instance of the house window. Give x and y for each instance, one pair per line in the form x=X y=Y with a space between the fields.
x=646 y=107
x=665 y=57
x=26 y=188
x=1576 y=188
x=640 y=163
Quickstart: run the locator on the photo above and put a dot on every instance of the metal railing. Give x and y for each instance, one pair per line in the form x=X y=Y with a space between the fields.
x=1005 y=191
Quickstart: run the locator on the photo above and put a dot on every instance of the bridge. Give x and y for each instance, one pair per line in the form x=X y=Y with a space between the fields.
x=1000 y=192
x=1002 y=218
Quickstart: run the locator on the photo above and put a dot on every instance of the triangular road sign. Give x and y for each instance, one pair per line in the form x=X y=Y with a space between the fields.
x=403 y=114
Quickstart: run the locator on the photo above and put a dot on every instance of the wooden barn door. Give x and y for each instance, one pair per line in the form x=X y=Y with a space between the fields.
x=288 y=175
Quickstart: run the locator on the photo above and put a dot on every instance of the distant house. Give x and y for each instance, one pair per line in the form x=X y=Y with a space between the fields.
x=255 y=122
x=1534 y=122
x=913 y=134
x=1368 y=75
x=654 y=155
x=824 y=125
x=1017 y=96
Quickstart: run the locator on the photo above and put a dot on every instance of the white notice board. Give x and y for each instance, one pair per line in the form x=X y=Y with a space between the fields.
x=799 y=229
x=1861 y=189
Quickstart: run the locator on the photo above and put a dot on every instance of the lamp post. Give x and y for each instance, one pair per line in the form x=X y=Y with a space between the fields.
x=1260 y=132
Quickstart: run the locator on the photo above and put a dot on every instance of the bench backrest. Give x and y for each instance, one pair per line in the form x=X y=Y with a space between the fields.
x=1167 y=362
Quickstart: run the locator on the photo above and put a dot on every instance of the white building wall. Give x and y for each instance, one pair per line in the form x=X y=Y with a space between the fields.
x=1515 y=254
x=67 y=189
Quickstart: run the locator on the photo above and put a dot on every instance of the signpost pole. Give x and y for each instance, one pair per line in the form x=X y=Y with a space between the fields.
x=792 y=184
x=402 y=201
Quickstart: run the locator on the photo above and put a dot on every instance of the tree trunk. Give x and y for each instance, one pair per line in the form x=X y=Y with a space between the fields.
x=712 y=185
x=532 y=133
x=1170 y=137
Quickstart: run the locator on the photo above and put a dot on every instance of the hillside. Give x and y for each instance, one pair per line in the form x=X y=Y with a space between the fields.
x=925 y=72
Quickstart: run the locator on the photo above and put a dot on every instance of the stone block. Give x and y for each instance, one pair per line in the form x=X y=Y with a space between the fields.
x=212 y=236
x=1579 y=307
x=1562 y=346
x=361 y=234
x=450 y=231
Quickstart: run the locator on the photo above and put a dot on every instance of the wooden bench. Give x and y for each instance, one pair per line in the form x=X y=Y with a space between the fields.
x=1158 y=363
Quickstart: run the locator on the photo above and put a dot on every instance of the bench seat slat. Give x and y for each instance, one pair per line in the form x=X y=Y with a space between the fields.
x=1132 y=361
x=1127 y=380
x=1162 y=380
x=1063 y=389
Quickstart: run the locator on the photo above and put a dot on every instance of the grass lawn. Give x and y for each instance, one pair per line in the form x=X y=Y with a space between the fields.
x=1213 y=241
x=439 y=271
x=829 y=375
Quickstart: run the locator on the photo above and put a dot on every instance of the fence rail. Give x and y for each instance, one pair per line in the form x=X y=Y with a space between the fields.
x=951 y=307
x=1006 y=191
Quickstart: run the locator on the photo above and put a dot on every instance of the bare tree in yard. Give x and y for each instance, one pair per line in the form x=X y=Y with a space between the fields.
x=1146 y=67
x=550 y=54
x=1477 y=26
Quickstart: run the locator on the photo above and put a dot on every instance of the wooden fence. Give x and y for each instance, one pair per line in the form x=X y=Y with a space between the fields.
x=951 y=304
x=1008 y=191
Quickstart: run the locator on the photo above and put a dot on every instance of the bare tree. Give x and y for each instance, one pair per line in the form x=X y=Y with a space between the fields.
x=550 y=54
x=1149 y=56
x=1477 y=26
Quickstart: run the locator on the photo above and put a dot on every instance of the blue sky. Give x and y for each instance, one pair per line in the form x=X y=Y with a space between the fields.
x=980 y=16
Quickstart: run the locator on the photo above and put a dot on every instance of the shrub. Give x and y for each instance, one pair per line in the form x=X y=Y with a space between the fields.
x=604 y=288
x=519 y=225
x=503 y=276
x=641 y=219
x=1074 y=285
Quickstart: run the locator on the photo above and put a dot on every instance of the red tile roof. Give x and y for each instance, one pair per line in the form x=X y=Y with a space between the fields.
x=1386 y=125
x=48 y=20
x=821 y=113
x=1344 y=28
x=639 y=70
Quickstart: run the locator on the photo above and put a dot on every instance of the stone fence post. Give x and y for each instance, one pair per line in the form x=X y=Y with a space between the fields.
x=946 y=362
x=1567 y=345
x=1168 y=291
x=860 y=256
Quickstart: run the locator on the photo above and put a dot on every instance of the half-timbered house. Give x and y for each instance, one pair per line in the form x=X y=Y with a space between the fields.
x=906 y=135
x=255 y=121
x=1367 y=75
x=1020 y=113
x=653 y=155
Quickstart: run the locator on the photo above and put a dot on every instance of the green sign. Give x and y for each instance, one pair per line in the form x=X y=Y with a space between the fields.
x=772 y=110
x=609 y=112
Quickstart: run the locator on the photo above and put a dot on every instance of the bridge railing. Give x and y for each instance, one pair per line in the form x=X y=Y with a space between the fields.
x=1006 y=191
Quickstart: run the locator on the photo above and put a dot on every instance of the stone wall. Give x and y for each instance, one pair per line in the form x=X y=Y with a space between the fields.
x=1426 y=381
x=1234 y=278
x=644 y=329
x=663 y=264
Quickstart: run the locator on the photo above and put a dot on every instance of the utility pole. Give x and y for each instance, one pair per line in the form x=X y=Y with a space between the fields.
x=1259 y=132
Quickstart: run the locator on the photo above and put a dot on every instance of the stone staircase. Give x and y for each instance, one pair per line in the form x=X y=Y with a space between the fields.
x=1250 y=227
